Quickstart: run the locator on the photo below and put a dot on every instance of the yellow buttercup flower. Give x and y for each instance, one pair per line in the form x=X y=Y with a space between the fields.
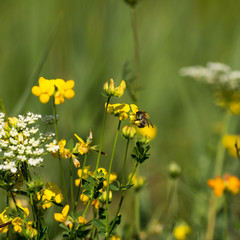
x=181 y=231
x=45 y=90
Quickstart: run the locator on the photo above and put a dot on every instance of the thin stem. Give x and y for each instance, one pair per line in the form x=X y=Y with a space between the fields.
x=102 y=134
x=15 y=203
x=80 y=183
x=124 y=162
x=122 y=197
x=71 y=180
x=225 y=232
x=217 y=172
x=109 y=172
x=59 y=157
x=136 y=47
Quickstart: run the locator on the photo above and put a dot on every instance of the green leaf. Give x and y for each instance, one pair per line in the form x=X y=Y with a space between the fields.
x=98 y=223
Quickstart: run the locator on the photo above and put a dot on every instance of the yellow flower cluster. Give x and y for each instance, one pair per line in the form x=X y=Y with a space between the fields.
x=66 y=219
x=53 y=87
x=50 y=194
x=17 y=223
x=110 y=90
x=181 y=231
x=84 y=174
x=228 y=182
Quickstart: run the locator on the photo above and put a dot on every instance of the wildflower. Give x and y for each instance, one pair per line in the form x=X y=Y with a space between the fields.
x=218 y=186
x=30 y=231
x=17 y=224
x=115 y=237
x=110 y=90
x=4 y=219
x=83 y=147
x=103 y=197
x=231 y=142
x=228 y=182
x=82 y=220
x=44 y=91
x=232 y=184
x=95 y=203
x=84 y=198
x=148 y=131
x=137 y=181
x=57 y=87
x=82 y=173
x=63 y=90
x=174 y=170
x=181 y=231
x=112 y=177
x=50 y=194
x=129 y=132
x=63 y=217
x=119 y=110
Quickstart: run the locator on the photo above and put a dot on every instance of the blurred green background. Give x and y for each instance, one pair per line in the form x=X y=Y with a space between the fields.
x=89 y=42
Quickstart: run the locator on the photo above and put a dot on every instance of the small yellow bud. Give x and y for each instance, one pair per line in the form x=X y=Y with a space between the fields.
x=82 y=220
x=129 y=132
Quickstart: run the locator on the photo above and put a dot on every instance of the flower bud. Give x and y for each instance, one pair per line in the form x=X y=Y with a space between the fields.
x=174 y=170
x=129 y=132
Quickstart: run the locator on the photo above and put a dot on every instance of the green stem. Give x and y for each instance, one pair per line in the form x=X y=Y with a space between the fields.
x=136 y=47
x=225 y=232
x=80 y=183
x=102 y=134
x=109 y=172
x=137 y=213
x=217 y=172
x=59 y=157
x=124 y=162
x=15 y=203
x=122 y=197
x=71 y=179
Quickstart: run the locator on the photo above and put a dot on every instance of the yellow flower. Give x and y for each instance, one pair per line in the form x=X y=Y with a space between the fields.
x=95 y=203
x=85 y=172
x=50 y=194
x=110 y=90
x=82 y=220
x=25 y=211
x=129 y=132
x=180 y=232
x=218 y=186
x=30 y=231
x=64 y=153
x=148 y=131
x=17 y=224
x=63 y=217
x=119 y=109
x=64 y=90
x=230 y=142
x=81 y=146
x=44 y=91
x=84 y=198
x=115 y=237
x=4 y=219
x=112 y=177
x=138 y=181
x=232 y=184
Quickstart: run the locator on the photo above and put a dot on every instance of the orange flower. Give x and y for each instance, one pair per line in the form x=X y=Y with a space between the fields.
x=218 y=186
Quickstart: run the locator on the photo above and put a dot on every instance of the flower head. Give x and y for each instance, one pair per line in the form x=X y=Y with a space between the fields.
x=54 y=87
x=231 y=142
x=181 y=231
x=63 y=217
x=110 y=90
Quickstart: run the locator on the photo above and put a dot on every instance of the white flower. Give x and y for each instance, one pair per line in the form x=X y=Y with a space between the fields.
x=9 y=154
x=13 y=132
x=22 y=158
x=13 y=141
x=52 y=147
x=35 y=161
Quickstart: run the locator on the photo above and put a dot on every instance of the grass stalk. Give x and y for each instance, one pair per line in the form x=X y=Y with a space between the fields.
x=109 y=172
x=80 y=183
x=71 y=180
x=59 y=157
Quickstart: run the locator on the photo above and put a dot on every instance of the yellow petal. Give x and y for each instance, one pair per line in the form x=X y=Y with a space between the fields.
x=36 y=91
x=44 y=98
x=78 y=138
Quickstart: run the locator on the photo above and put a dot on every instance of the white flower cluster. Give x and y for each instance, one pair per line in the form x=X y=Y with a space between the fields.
x=214 y=73
x=21 y=141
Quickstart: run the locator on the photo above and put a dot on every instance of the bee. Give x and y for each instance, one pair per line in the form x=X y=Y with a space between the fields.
x=142 y=119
